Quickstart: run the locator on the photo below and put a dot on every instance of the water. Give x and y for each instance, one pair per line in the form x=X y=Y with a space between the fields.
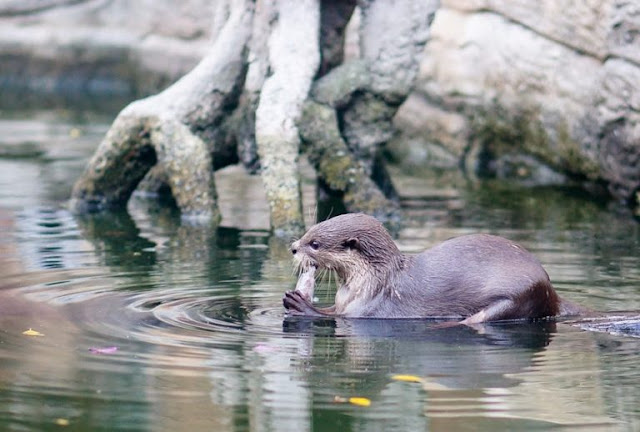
x=150 y=325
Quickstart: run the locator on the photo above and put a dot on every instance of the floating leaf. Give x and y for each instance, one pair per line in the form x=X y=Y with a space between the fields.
x=62 y=422
x=75 y=133
x=407 y=378
x=359 y=401
x=105 y=350
x=32 y=332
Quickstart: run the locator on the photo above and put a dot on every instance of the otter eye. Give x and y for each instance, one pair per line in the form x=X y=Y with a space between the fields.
x=314 y=244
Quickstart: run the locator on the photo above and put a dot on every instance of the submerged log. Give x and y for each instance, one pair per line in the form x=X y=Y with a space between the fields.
x=622 y=323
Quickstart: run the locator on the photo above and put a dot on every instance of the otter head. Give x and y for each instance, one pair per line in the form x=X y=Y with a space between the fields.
x=349 y=244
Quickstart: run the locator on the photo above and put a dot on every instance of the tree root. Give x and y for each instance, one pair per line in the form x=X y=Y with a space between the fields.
x=261 y=89
x=169 y=130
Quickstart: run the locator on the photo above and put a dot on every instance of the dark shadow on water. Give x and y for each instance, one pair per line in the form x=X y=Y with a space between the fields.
x=117 y=239
x=533 y=335
x=153 y=236
x=445 y=359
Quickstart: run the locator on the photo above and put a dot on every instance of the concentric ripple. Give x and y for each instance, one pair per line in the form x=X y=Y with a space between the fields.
x=217 y=313
x=187 y=318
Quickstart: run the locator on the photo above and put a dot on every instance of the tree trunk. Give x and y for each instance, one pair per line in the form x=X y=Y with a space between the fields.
x=275 y=74
x=293 y=56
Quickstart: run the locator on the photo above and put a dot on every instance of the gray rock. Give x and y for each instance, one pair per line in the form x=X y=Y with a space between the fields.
x=101 y=47
x=556 y=81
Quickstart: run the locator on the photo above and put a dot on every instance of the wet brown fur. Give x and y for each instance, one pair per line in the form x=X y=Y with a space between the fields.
x=476 y=277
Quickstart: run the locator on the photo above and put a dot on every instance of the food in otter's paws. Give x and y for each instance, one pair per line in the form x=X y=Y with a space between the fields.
x=307 y=283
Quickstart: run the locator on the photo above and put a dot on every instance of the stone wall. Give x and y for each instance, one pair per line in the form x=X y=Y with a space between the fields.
x=100 y=47
x=545 y=91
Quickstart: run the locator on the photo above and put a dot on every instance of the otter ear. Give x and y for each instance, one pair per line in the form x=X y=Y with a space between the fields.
x=352 y=243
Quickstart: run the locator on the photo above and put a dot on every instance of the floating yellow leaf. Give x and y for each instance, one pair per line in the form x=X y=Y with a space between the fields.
x=62 y=422
x=360 y=401
x=32 y=332
x=407 y=378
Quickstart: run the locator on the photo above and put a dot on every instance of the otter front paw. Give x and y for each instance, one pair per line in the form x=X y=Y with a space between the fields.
x=296 y=304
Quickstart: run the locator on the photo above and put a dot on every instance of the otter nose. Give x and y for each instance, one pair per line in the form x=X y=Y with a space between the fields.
x=294 y=247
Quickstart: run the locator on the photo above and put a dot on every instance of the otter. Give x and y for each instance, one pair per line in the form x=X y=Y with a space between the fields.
x=473 y=278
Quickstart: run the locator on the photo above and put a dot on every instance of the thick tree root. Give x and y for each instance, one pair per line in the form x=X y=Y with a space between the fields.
x=168 y=132
x=121 y=161
x=282 y=96
x=349 y=115
x=253 y=97
x=337 y=165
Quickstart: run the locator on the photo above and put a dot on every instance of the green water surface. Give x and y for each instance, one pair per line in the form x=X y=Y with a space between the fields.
x=150 y=324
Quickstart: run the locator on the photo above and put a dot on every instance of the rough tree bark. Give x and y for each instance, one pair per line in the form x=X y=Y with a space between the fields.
x=274 y=74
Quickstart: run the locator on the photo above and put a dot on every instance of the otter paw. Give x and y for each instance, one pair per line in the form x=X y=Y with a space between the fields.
x=296 y=304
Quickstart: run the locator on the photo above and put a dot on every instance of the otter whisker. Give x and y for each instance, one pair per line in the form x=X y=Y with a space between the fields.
x=295 y=270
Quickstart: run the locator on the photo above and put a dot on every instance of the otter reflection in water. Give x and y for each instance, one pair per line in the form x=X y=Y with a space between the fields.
x=476 y=278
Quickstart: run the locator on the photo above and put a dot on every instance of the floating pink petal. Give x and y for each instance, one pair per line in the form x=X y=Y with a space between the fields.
x=105 y=350
x=264 y=348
